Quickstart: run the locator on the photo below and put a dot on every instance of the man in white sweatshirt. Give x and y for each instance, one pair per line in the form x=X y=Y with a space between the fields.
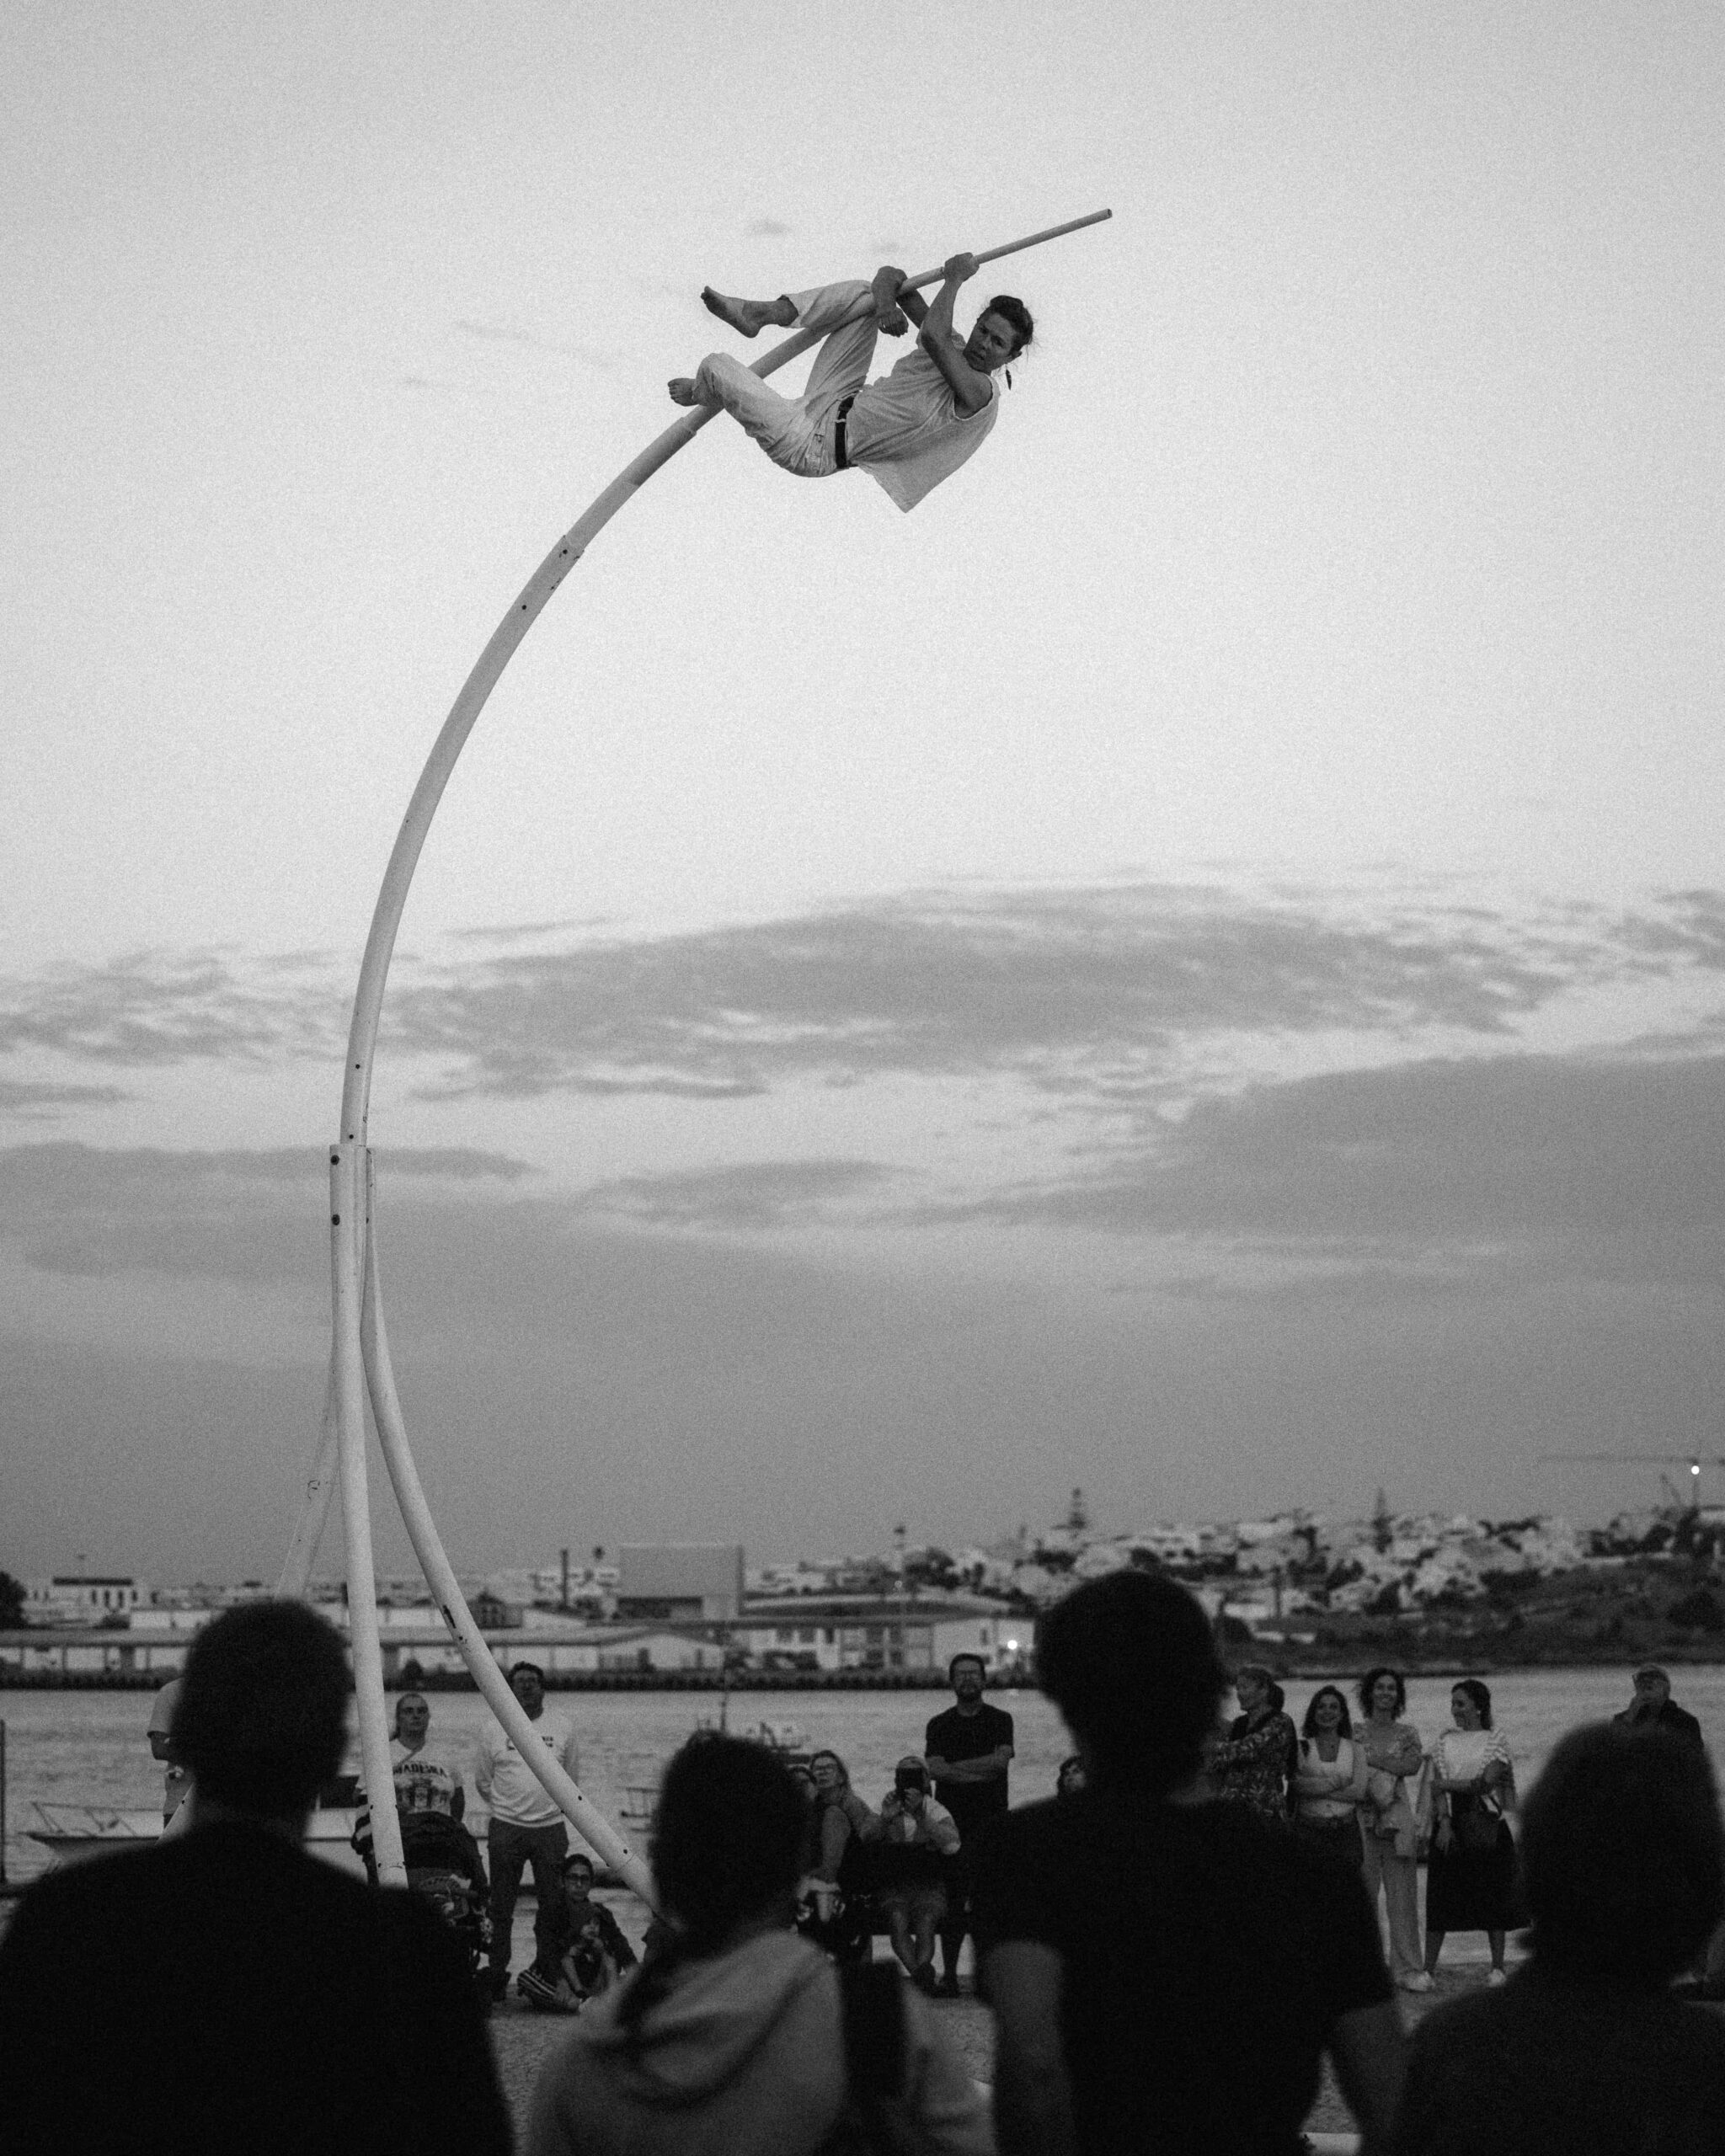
x=526 y=1827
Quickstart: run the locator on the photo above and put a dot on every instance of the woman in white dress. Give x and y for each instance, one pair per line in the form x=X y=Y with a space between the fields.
x=1471 y=1877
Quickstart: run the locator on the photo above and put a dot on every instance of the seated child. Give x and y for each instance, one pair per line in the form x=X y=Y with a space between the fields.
x=591 y=1951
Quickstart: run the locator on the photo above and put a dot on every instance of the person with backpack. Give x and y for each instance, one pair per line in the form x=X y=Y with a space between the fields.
x=734 y=2037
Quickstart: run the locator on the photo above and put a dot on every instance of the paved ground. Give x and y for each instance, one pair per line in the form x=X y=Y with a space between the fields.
x=522 y=2037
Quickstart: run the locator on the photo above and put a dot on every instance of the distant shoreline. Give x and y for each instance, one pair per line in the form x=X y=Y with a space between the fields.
x=1328 y=1669
x=603 y=1680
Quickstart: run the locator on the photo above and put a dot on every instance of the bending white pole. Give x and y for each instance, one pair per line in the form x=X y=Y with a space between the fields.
x=349 y=1265
x=593 y=1828
x=348 y=1176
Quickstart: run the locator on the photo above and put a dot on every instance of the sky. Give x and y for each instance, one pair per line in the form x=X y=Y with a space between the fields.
x=1193 y=965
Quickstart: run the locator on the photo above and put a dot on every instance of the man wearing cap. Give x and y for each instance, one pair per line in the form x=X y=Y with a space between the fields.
x=1653 y=1707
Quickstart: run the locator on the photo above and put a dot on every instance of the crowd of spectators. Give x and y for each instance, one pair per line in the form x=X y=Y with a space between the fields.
x=1171 y=1942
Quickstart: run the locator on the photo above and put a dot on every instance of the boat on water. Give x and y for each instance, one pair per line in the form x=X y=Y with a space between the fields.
x=785 y=1740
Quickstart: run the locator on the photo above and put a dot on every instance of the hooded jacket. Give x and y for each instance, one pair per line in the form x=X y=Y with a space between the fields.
x=743 y=2057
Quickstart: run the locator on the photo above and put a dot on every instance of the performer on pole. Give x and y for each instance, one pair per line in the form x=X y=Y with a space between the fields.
x=909 y=430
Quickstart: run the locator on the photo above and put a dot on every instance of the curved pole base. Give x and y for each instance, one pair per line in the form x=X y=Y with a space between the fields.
x=588 y=1822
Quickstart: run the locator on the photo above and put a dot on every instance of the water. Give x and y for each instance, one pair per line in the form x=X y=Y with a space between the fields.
x=89 y=1748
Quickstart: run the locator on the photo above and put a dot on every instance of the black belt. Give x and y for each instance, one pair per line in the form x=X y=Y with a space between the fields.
x=840 y=458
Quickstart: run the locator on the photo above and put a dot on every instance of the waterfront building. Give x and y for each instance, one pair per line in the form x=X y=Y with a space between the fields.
x=894 y=1635
x=83 y=1598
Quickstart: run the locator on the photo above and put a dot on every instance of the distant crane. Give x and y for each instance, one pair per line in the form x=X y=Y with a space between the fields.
x=1687 y=1522
x=1693 y=1461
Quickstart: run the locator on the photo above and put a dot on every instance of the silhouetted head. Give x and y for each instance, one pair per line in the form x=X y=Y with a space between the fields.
x=261 y=1716
x=1623 y=1855
x=727 y=1840
x=1130 y=1662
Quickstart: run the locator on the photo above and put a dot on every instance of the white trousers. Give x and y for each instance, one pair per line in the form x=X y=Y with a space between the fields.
x=796 y=432
x=1398 y=1876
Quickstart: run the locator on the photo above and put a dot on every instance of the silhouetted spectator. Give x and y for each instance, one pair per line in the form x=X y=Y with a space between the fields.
x=225 y=1991
x=1167 y=1970
x=1583 y=2051
x=1070 y=1776
x=730 y=2039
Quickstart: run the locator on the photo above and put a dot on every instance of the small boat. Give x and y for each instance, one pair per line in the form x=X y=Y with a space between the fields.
x=71 y=1831
x=785 y=1740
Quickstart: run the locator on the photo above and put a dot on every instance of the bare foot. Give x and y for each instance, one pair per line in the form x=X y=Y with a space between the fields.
x=744 y=316
x=682 y=389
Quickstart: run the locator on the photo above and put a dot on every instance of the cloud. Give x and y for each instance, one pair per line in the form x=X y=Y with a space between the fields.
x=85 y=1211
x=1105 y=995
x=1095 y=990
x=768 y=228
x=498 y=333
x=160 y=1007
x=27 y=1098
x=1592 y=1167
x=1423 y=1276
x=757 y=1195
